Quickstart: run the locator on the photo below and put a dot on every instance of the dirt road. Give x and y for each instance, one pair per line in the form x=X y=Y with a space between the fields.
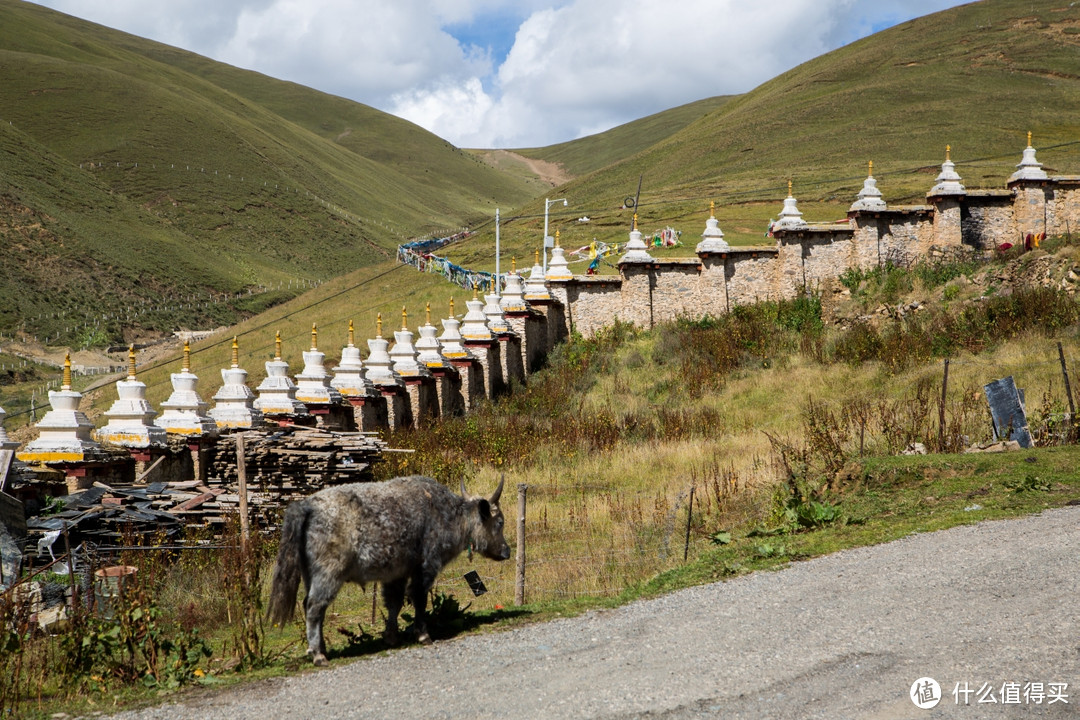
x=990 y=609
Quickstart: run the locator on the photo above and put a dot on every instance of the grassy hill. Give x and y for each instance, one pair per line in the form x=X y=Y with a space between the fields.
x=977 y=77
x=583 y=156
x=138 y=172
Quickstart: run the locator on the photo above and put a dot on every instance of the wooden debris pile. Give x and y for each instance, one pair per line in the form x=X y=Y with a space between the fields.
x=282 y=465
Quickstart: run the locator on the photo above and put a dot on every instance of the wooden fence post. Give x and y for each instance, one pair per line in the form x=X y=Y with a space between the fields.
x=1068 y=388
x=519 y=583
x=941 y=416
x=241 y=475
x=689 y=517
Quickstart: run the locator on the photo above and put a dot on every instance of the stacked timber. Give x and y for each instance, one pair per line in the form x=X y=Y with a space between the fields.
x=282 y=465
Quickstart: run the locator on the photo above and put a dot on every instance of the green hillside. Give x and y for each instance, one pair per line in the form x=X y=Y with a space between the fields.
x=582 y=156
x=977 y=77
x=136 y=172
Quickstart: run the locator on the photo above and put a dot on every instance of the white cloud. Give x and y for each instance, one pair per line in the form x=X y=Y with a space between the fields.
x=575 y=67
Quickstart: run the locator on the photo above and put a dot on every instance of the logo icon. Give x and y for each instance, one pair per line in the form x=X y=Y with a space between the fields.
x=925 y=693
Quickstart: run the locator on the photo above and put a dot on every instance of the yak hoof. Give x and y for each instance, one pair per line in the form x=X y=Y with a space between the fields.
x=319 y=659
x=390 y=637
x=423 y=639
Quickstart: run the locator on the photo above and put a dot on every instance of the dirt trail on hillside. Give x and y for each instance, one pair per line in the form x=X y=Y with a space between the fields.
x=548 y=172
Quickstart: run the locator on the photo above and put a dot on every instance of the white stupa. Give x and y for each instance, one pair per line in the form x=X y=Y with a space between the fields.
x=234 y=403
x=536 y=285
x=277 y=391
x=185 y=410
x=1029 y=168
x=790 y=217
x=404 y=353
x=380 y=368
x=131 y=417
x=712 y=240
x=557 y=269
x=451 y=338
x=869 y=197
x=64 y=432
x=496 y=321
x=349 y=377
x=513 y=297
x=948 y=181
x=428 y=350
x=636 y=250
x=313 y=385
x=474 y=326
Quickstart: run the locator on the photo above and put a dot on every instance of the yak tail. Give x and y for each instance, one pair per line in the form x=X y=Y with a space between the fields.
x=289 y=566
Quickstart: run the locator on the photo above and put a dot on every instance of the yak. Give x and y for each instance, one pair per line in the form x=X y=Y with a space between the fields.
x=400 y=532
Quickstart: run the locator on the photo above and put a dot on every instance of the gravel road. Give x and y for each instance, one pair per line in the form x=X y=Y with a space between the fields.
x=843 y=636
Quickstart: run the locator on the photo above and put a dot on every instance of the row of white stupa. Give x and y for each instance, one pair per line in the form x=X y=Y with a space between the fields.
x=67 y=435
x=948 y=183
x=65 y=432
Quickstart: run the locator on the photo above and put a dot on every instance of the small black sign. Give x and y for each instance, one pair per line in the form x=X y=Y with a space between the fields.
x=1007 y=411
x=475 y=583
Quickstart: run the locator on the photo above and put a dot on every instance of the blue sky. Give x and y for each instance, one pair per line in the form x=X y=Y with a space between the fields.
x=510 y=73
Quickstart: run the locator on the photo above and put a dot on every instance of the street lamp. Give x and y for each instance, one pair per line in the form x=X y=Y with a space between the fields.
x=548 y=240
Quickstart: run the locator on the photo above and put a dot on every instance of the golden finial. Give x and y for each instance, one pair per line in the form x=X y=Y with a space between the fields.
x=427 y=312
x=235 y=353
x=493 y=283
x=635 y=222
x=131 y=361
x=277 y=345
x=557 y=239
x=67 y=371
x=870 y=172
x=451 y=307
x=1029 y=138
x=404 y=319
x=186 y=367
x=948 y=149
x=712 y=208
x=352 y=336
x=513 y=264
x=314 y=337
x=474 y=289
x=536 y=254
x=789 y=187
x=378 y=325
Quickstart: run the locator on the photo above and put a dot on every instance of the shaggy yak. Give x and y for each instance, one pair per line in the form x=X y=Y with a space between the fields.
x=400 y=532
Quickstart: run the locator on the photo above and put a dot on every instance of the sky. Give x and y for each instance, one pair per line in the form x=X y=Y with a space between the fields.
x=510 y=73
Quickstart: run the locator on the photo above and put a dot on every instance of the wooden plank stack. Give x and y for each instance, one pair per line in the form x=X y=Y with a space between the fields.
x=283 y=464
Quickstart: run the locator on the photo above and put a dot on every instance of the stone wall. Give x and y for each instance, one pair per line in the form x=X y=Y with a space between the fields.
x=988 y=219
x=649 y=291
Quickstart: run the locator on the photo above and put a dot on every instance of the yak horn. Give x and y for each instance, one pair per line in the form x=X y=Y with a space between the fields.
x=498 y=492
x=463 y=493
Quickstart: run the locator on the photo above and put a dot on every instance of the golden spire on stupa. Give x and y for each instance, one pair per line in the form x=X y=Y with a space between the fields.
x=235 y=353
x=186 y=366
x=451 y=307
x=277 y=345
x=870 y=171
x=404 y=318
x=948 y=149
x=378 y=325
x=131 y=361
x=67 y=372
x=352 y=335
x=314 y=337
x=427 y=312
